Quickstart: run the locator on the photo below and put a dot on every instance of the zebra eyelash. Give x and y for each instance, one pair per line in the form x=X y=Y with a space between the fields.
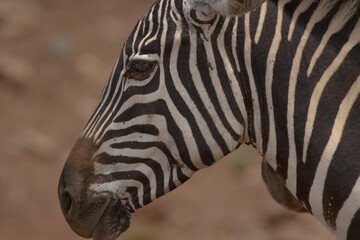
x=140 y=69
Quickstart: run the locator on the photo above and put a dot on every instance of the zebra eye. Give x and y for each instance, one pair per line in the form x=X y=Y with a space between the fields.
x=140 y=69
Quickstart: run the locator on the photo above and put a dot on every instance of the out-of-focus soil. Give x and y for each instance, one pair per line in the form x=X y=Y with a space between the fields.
x=54 y=59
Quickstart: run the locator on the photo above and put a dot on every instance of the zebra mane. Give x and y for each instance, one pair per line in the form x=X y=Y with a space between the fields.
x=345 y=11
x=348 y=9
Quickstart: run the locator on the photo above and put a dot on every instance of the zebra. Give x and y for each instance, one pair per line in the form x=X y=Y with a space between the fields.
x=198 y=78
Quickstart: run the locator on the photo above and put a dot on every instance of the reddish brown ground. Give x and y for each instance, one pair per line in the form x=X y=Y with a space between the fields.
x=54 y=59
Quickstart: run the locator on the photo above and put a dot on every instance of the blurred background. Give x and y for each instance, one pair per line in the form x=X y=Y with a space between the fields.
x=55 y=56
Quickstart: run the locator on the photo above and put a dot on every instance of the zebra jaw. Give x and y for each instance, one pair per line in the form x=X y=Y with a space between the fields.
x=91 y=214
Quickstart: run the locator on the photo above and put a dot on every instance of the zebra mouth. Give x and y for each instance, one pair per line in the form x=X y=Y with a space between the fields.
x=114 y=220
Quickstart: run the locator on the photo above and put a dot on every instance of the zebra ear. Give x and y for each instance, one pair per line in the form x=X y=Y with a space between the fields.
x=227 y=7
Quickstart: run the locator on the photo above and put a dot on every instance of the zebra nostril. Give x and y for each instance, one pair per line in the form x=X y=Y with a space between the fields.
x=67 y=199
x=66 y=203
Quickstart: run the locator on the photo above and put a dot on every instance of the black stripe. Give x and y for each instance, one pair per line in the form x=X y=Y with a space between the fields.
x=155 y=166
x=354 y=230
x=244 y=81
x=186 y=80
x=159 y=107
x=144 y=129
x=203 y=67
x=112 y=86
x=344 y=169
x=224 y=81
x=145 y=145
x=228 y=89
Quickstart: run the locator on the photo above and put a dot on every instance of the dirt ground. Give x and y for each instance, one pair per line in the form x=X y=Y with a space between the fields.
x=54 y=59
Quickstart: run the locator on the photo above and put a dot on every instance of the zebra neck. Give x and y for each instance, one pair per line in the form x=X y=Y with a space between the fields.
x=259 y=37
x=269 y=43
x=253 y=52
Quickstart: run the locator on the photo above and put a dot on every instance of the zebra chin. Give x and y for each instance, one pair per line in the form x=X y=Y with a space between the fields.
x=102 y=218
x=114 y=221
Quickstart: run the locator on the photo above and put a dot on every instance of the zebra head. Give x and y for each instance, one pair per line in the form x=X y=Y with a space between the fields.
x=161 y=116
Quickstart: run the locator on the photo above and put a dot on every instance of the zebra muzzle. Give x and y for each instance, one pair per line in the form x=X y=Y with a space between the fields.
x=98 y=215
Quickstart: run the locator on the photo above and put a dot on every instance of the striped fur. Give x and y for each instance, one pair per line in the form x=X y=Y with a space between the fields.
x=284 y=78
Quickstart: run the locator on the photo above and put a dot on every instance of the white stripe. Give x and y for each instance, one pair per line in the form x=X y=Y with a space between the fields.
x=154 y=153
x=234 y=43
x=155 y=37
x=270 y=155
x=120 y=188
x=158 y=121
x=91 y=123
x=345 y=13
x=260 y=26
x=150 y=21
x=347 y=212
x=135 y=37
x=254 y=92
x=317 y=189
x=133 y=56
x=216 y=80
x=180 y=120
x=236 y=89
x=317 y=16
x=303 y=6
x=199 y=85
x=118 y=87
x=354 y=39
x=235 y=86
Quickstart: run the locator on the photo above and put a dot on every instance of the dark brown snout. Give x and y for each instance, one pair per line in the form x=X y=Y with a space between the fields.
x=68 y=191
x=82 y=208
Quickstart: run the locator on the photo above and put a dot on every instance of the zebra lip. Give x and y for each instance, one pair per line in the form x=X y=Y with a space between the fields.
x=84 y=216
x=114 y=221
